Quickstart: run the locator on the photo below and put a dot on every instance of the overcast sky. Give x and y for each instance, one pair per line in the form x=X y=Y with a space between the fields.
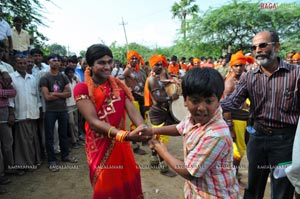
x=81 y=23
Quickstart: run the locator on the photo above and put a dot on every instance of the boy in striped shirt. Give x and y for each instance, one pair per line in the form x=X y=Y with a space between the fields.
x=208 y=151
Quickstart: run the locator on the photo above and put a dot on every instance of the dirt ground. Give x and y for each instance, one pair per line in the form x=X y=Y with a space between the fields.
x=72 y=181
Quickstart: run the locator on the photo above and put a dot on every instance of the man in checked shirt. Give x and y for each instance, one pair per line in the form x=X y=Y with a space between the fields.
x=6 y=121
x=274 y=93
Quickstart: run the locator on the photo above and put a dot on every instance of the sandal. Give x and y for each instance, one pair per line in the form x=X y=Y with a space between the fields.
x=164 y=170
x=138 y=150
x=70 y=159
x=168 y=173
x=154 y=161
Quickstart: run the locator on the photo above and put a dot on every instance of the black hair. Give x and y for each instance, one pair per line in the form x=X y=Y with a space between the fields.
x=18 y=19
x=174 y=58
x=204 y=82
x=36 y=51
x=68 y=68
x=53 y=55
x=95 y=52
x=73 y=59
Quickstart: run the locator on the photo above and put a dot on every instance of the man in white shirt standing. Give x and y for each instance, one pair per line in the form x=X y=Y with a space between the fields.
x=26 y=108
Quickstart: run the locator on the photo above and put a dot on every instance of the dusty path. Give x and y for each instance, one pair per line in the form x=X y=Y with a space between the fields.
x=72 y=181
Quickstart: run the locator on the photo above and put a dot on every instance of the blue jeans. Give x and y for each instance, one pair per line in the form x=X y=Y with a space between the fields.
x=264 y=152
x=50 y=119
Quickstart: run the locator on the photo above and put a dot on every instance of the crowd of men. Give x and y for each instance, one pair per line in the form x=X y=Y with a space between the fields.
x=39 y=118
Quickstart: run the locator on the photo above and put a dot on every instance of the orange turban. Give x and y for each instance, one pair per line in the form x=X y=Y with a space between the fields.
x=296 y=56
x=158 y=58
x=196 y=60
x=133 y=53
x=240 y=58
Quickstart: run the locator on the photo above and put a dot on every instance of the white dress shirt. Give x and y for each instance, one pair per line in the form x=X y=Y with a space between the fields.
x=27 y=101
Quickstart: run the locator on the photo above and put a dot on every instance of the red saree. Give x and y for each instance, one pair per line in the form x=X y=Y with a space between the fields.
x=114 y=173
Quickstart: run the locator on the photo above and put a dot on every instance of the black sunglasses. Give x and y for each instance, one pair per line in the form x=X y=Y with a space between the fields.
x=261 y=45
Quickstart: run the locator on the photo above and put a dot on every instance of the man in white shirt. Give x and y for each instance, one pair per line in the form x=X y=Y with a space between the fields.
x=26 y=108
x=39 y=66
x=38 y=70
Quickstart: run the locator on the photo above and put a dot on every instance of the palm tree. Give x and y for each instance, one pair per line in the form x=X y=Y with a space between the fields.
x=181 y=10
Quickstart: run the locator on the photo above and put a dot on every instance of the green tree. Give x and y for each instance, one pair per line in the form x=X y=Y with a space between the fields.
x=235 y=25
x=58 y=49
x=82 y=53
x=183 y=9
x=30 y=11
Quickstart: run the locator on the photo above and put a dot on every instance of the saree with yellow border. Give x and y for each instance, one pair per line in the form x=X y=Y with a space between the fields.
x=114 y=173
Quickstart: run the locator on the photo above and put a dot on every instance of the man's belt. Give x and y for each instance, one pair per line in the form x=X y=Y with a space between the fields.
x=273 y=131
x=139 y=93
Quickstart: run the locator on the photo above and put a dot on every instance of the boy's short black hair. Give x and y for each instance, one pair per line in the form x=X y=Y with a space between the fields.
x=73 y=59
x=36 y=51
x=204 y=82
x=68 y=68
x=53 y=55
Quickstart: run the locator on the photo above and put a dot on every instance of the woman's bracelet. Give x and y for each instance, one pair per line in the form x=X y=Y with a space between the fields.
x=109 y=131
x=121 y=135
x=81 y=97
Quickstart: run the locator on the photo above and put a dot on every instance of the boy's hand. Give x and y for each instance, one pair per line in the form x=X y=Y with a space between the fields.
x=141 y=133
x=137 y=138
x=158 y=146
x=142 y=130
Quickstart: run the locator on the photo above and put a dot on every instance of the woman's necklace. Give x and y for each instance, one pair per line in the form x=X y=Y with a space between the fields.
x=105 y=88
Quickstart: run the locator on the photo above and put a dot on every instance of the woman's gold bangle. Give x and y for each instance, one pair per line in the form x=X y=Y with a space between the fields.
x=121 y=135
x=109 y=131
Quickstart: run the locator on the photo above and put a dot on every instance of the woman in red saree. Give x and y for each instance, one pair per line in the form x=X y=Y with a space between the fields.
x=103 y=101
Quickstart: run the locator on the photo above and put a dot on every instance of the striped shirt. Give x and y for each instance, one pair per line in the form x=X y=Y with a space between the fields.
x=274 y=100
x=208 y=157
x=5 y=94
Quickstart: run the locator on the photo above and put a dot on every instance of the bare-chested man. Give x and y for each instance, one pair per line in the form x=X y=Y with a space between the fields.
x=237 y=120
x=158 y=100
x=135 y=80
